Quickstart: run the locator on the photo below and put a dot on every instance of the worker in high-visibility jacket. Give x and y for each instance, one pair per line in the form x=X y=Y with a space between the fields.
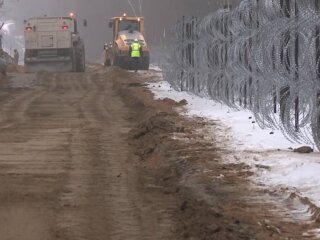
x=135 y=53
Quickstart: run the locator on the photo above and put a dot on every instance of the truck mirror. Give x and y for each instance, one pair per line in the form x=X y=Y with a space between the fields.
x=85 y=22
x=110 y=24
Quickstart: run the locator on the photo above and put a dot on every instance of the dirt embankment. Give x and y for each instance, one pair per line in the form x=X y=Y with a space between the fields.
x=185 y=165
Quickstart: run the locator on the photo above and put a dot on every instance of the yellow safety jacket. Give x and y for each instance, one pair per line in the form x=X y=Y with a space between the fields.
x=135 y=50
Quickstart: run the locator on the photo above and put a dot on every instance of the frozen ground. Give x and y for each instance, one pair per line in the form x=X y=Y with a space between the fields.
x=275 y=165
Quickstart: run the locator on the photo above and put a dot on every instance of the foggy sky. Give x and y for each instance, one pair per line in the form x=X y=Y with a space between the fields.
x=159 y=15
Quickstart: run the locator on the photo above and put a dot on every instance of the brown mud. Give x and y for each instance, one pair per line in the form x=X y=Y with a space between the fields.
x=92 y=156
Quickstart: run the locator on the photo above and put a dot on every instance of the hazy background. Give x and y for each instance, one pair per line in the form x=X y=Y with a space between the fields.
x=159 y=15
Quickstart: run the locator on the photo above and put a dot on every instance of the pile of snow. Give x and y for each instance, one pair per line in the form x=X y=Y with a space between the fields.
x=155 y=68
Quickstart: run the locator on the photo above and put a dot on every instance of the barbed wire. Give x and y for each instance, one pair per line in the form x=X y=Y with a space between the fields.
x=263 y=55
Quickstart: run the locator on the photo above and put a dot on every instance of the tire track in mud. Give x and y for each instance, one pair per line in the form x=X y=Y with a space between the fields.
x=66 y=169
x=32 y=166
x=41 y=154
x=14 y=111
x=114 y=213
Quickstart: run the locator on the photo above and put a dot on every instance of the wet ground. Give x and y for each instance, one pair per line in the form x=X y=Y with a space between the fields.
x=92 y=156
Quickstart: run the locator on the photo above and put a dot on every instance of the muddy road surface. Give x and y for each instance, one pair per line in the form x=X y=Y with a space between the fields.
x=66 y=169
x=92 y=156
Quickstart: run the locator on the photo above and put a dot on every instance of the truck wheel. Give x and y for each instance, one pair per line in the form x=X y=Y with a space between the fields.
x=80 y=57
x=107 y=63
x=145 y=63
x=115 y=61
x=26 y=68
x=83 y=62
x=74 y=60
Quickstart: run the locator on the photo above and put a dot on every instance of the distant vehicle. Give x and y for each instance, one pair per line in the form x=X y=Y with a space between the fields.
x=53 y=44
x=125 y=31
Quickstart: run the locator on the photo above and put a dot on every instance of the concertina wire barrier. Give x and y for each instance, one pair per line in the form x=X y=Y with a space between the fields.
x=263 y=55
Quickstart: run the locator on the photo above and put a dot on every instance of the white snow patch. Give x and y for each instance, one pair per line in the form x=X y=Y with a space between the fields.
x=254 y=146
x=294 y=171
x=155 y=68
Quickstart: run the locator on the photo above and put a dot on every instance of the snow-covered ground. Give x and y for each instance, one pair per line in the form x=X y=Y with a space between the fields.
x=282 y=168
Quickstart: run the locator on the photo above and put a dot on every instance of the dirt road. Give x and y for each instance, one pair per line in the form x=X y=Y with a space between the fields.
x=66 y=169
x=91 y=156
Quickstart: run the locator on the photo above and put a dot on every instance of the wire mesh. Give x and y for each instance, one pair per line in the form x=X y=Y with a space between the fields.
x=263 y=55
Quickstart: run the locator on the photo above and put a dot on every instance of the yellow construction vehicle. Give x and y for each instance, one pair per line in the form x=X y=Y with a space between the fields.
x=125 y=30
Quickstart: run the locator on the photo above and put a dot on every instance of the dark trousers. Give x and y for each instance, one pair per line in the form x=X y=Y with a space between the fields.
x=135 y=63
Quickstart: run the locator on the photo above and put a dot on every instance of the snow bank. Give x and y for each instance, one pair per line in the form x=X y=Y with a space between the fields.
x=284 y=169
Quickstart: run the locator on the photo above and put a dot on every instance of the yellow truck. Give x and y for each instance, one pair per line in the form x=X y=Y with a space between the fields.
x=125 y=30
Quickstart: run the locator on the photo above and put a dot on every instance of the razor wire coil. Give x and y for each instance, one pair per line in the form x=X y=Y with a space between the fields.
x=263 y=55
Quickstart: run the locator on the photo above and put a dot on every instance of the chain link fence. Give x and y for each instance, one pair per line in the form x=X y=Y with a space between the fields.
x=263 y=55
